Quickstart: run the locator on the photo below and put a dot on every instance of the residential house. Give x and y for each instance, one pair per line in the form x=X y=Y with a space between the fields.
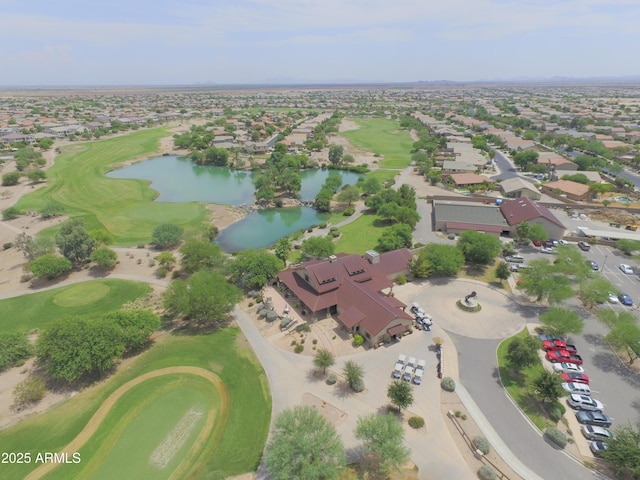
x=517 y=187
x=467 y=179
x=572 y=190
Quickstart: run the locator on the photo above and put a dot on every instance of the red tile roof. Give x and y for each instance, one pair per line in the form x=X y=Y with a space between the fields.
x=524 y=210
x=353 y=284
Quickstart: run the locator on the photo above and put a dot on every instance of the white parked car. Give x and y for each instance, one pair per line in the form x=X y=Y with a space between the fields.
x=612 y=297
x=408 y=373
x=624 y=268
x=577 y=388
x=417 y=375
x=583 y=402
x=567 y=367
x=397 y=370
x=547 y=250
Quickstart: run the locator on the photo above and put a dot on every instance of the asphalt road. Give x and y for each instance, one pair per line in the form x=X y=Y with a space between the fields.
x=507 y=169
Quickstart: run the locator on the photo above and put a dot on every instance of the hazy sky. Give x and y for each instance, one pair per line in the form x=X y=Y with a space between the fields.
x=126 y=42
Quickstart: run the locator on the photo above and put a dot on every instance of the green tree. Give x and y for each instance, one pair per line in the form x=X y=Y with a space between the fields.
x=10 y=179
x=400 y=394
x=561 y=322
x=216 y=156
x=383 y=439
x=282 y=249
x=252 y=269
x=324 y=359
x=166 y=235
x=627 y=246
x=523 y=352
x=537 y=232
x=72 y=347
x=319 y=247
x=205 y=297
x=625 y=334
x=548 y=386
x=349 y=194
x=34 y=247
x=333 y=182
x=104 y=257
x=522 y=232
x=502 y=271
x=49 y=266
x=353 y=372
x=479 y=248
x=166 y=260
x=335 y=154
x=137 y=326
x=304 y=445
x=544 y=282
x=74 y=242
x=437 y=260
x=593 y=291
x=15 y=348
x=37 y=176
x=200 y=254
x=371 y=186
x=623 y=452
x=569 y=261
x=396 y=236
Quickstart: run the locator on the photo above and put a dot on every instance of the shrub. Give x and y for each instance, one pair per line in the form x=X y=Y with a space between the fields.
x=11 y=178
x=358 y=340
x=175 y=274
x=482 y=444
x=401 y=279
x=485 y=472
x=250 y=304
x=555 y=411
x=162 y=272
x=358 y=386
x=335 y=234
x=310 y=229
x=7 y=246
x=314 y=341
x=348 y=212
x=416 y=422
x=14 y=349
x=10 y=213
x=333 y=229
x=304 y=327
x=299 y=348
x=332 y=379
x=29 y=390
x=448 y=384
x=556 y=437
x=323 y=225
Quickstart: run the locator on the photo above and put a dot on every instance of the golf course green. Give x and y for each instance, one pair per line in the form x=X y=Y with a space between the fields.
x=211 y=383
x=122 y=207
x=96 y=296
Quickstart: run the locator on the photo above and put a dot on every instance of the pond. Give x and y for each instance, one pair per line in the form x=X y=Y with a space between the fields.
x=178 y=179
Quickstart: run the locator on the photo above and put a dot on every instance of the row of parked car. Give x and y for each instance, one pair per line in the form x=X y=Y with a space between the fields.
x=568 y=364
x=409 y=370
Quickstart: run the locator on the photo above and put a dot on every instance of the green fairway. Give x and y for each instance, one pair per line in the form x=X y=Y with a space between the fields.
x=125 y=207
x=360 y=235
x=149 y=431
x=383 y=137
x=97 y=296
x=237 y=450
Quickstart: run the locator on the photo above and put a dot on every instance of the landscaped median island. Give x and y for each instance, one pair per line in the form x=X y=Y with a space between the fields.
x=174 y=419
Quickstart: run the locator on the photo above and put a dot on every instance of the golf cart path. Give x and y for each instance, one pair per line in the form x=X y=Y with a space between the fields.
x=96 y=420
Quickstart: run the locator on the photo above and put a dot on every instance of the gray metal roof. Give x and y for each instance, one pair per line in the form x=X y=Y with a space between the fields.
x=468 y=212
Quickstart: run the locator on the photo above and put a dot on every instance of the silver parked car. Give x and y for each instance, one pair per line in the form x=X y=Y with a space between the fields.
x=591 y=432
x=584 y=402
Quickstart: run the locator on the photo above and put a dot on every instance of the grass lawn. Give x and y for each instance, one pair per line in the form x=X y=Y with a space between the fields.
x=37 y=309
x=383 y=137
x=360 y=235
x=137 y=425
x=225 y=353
x=383 y=175
x=123 y=207
x=486 y=275
x=517 y=384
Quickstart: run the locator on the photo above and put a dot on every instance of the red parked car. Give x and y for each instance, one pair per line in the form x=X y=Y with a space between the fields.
x=559 y=345
x=575 y=377
x=563 y=356
x=537 y=243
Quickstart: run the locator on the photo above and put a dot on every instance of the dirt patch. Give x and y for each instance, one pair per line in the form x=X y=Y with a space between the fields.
x=332 y=414
x=224 y=215
x=463 y=429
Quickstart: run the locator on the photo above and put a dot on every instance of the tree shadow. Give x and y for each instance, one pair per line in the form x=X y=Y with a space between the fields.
x=595 y=339
x=474 y=270
x=608 y=362
x=316 y=374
